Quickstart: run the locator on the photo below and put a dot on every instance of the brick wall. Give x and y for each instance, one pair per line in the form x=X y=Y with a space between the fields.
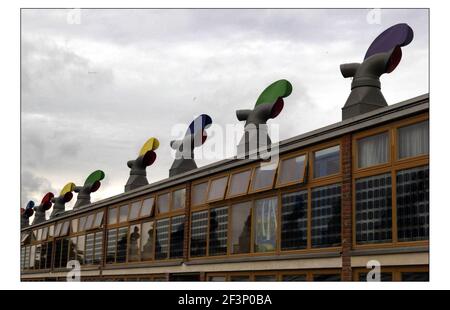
x=346 y=207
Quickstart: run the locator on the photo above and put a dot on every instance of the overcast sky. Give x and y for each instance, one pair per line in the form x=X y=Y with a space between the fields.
x=94 y=92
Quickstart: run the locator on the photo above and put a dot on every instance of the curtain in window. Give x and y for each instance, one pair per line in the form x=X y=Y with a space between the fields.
x=373 y=150
x=266 y=225
x=413 y=140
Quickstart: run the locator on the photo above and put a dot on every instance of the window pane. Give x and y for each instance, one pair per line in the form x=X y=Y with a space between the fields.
x=82 y=223
x=89 y=221
x=179 y=199
x=44 y=233
x=239 y=278
x=147 y=241
x=177 y=237
x=326 y=216
x=65 y=228
x=199 y=231
x=43 y=256
x=239 y=183
x=374 y=209
x=27 y=258
x=217 y=188
x=122 y=242
x=327 y=277
x=373 y=150
x=39 y=235
x=111 y=246
x=263 y=178
x=294 y=277
x=73 y=248
x=163 y=203
x=199 y=193
x=112 y=216
x=98 y=249
x=57 y=259
x=74 y=225
x=51 y=231
x=64 y=252
x=415 y=276
x=218 y=231
x=80 y=249
x=37 y=256
x=162 y=239
x=89 y=257
x=326 y=162
x=241 y=227
x=291 y=170
x=413 y=208
x=98 y=219
x=384 y=277
x=147 y=207
x=413 y=140
x=123 y=214
x=135 y=210
x=217 y=279
x=266 y=224
x=294 y=220
x=265 y=278
x=134 y=246
x=58 y=229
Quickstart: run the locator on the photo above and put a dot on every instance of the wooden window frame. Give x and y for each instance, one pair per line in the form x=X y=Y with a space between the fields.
x=321 y=147
x=203 y=181
x=230 y=179
x=253 y=178
x=290 y=156
x=217 y=177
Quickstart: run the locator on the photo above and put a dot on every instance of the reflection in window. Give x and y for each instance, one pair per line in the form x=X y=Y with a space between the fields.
x=199 y=193
x=122 y=241
x=199 y=232
x=147 y=241
x=176 y=236
x=327 y=277
x=98 y=248
x=147 y=207
x=162 y=239
x=74 y=226
x=263 y=177
x=37 y=257
x=58 y=229
x=294 y=220
x=112 y=216
x=413 y=208
x=239 y=183
x=217 y=188
x=49 y=249
x=241 y=227
x=89 y=254
x=111 y=246
x=82 y=223
x=57 y=259
x=44 y=233
x=292 y=170
x=65 y=228
x=51 y=231
x=413 y=140
x=135 y=209
x=415 y=276
x=178 y=199
x=373 y=209
x=373 y=150
x=73 y=248
x=134 y=246
x=218 y=231
x=123 y=214
x=163 y=203
x=266 y=224
x=326 y=162
x=64 y=252
x=326 y=216
x=294 y=277
x=89 y=221
x=98 y=219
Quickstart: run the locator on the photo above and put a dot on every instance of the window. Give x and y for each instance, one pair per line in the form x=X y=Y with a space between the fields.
x=51 y=231
x=239 y=183
x=135 y=210
x=80 y=248
x=326 y=216
x=241 y=227
x=98 y=248
x=122 y=243
x=111 y=246
x=134 y=245
x=415 y=276
x=373 y=209
x=413 y=140
x=147 y=241
x=294 y=277
x=294 y=220
x=217 y=278
x=384 y=277
x=292 y=170
x=240 y=278
x=98 y=219
x=265 y=278
x=162 y=239
x=147 y=207
x=39 y=235
x=73 y=248
x=326 y=161
x=27 y=258
x=49 y=260
x=65 y=228
x=327 y=277
x=58 y=250
x=199 y=193
x=373 y=150
x=37 y=256
x=123 y=214
x=82 y=223
x=89 y=255
x=163 y=203
x=265 y=224
x=58 y=229
x=217 y=189
x=218 y=231
x=89 y=221
x=74 y=226
x=199 y=232
x=44 y=233
x=112 y=216
x=176 y=236
x=178 y=199
x=413 y=204
x=263 y=178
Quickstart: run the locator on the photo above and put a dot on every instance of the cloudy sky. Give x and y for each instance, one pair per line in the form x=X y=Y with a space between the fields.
x=93 y=92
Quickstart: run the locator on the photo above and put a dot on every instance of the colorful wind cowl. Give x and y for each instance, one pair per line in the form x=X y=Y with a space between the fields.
x=26 y=213
x=59 y=203
x=146 y=157
x=39 y=211
x=91 y=185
